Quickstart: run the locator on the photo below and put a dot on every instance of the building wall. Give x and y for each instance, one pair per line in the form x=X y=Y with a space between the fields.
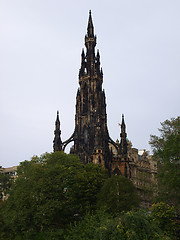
x=12 y=173
x=141 y=170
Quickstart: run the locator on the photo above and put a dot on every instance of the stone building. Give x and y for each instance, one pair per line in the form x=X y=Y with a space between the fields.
x=91 y=137
x=143 y=170
x=11 y=172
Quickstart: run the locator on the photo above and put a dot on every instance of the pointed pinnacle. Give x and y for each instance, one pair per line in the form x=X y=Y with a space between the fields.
x=122 y=119
x=101 y=71
x=57 y=116
x=90 y=28
x=82 y=54
x=98 y=55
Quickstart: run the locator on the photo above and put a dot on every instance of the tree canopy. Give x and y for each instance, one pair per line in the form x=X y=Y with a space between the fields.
x=57 y=197
x=52 y=191
x=118 y=194
x=132 y=225
x=166 y=149
x=164 y=216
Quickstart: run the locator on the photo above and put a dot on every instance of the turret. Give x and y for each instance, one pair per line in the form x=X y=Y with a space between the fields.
x=57 y=143
x=123 y=135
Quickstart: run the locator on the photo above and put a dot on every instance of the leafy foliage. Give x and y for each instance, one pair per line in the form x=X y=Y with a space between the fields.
x=164 y=216
x=128 y=226
x=55 y=197
x=50 y=192
x=118 y=194
x=166 y=150
x=87 y=185
x=3 y=229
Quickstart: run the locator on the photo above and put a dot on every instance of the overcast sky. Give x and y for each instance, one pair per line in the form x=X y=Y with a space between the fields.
x=40 y=48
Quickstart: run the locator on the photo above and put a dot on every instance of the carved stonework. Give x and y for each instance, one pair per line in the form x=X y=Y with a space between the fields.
x=91 y=134
x=92 y=142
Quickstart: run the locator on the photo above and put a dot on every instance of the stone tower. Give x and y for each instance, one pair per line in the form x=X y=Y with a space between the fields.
x=90 y=137
x=91 y=134
x=92 y=142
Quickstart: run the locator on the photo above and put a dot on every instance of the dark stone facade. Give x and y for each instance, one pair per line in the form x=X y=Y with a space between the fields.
x=91 y=138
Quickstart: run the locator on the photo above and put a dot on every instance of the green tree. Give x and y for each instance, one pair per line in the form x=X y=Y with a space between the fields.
x=50 y=192
x=118 y=194
x=164 y=216
x=133 y=225
x=166 y=149
x=3 y=228
x=87 y=185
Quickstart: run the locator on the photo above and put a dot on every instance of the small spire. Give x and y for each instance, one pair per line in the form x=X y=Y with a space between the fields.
x=57 y=119
x=123 y=135
x=98 y=55
x=101 y=71
x=90 y=28
x=57 y=143
x=82 y=69
x=82 y=54
x=123 y=123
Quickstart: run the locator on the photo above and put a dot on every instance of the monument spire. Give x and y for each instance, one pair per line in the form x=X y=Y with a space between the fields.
x=90 y=28
x=91 y=134
x=123 y=135
x=57 y=143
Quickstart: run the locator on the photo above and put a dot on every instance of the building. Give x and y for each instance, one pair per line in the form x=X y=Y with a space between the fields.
x=91 y=137
x=10 y=171
x=11 y=174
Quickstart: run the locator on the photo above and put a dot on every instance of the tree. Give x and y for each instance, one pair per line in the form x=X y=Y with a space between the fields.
x=50 y=192
x=118 y=194
x=127 y=226
x=5 y=184
x=3 y=229
x=87 y=185
x=164 y=216
x=166 y=149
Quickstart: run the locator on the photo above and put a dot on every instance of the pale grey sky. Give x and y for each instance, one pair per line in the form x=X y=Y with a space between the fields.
x=40 y=48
